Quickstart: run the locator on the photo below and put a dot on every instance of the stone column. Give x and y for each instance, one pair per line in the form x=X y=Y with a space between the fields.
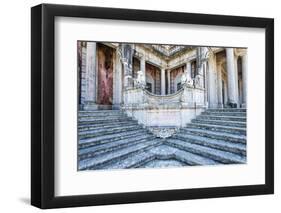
x=236 y=80
x=169 y=81
x=231 y=77
x=142 y=66
x=244 y=79
x=90 y=71
x=127 y=59
x=219 y=83
x=204 y=65
x=90 y=76
x=128 y=79
x=188 y=68
x=212 y=78
x=163 y=81
x=117 y=81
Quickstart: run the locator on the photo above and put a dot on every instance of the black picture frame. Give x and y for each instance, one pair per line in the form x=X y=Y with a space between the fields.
x=43 y=105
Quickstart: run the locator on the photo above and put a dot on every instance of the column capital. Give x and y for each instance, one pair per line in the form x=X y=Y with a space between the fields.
x=240 y=52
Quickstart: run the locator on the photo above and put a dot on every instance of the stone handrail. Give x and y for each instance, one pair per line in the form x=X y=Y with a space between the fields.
x=185 y=97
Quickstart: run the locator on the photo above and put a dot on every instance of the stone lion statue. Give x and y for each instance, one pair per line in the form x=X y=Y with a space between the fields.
x=186 y=80
x=198 y=81
x=140 y=80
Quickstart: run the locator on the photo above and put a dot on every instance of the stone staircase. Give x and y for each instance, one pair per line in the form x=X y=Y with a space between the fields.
x=217 y=134
x=108 y=139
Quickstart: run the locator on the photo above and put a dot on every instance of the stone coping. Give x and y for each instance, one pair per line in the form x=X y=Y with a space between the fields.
x=171 y=106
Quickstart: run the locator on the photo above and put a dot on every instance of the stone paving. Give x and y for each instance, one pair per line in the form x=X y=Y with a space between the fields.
x=108 y=139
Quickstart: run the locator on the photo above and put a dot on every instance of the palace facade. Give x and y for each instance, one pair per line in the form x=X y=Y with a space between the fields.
x=151 y=82
x=148 y=105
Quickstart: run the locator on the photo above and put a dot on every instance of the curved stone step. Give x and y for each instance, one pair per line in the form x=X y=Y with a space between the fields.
x=106 y=131
x=218 y=128
x=215 y=154
x=215 y=135
x=236 y=148
x=94 y=151
x=222 y=118
x=103 y=160
x=83 y=143
x=219 y=122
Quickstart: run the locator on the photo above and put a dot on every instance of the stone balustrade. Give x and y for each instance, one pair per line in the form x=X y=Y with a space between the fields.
x=173 y=110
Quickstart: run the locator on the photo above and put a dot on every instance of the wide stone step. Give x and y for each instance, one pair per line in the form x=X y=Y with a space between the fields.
x=236 y=148
x=99 y=112
x=193 y=159
x=227 y=110
x=112 y=146
x=219 y=122
x=218 y=128
x=161 y=156
x=83 y=143
x=166 y=152
x=106 y=131
x=103 y=160
x=222 y=118
x=239 y=114
x=215 y=135
x=106 y=125
x=215 y=154
x=163 y=163
x=104 y=121
x=132 y=161
x=101 y=118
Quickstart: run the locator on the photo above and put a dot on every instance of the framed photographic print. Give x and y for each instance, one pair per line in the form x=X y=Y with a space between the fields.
x=139 y=106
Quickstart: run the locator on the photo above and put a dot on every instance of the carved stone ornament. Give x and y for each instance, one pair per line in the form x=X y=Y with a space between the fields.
x=163 y=132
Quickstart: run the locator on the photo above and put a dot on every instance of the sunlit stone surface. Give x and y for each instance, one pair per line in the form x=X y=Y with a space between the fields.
x=109 y=139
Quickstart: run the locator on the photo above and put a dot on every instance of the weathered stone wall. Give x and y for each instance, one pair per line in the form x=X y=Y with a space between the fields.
x=174 y=74
x=182 y=59
x=154 y=72
x=136 y=67
x=82 y=55
x=106 y=57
